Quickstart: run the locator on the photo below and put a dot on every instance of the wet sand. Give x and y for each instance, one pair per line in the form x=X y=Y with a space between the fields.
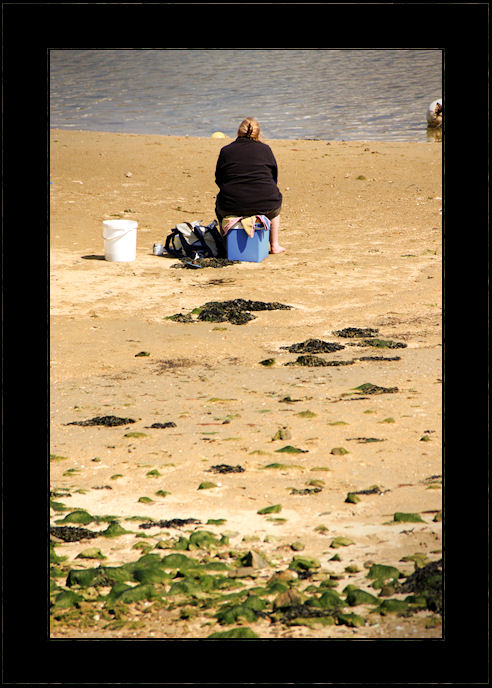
x=361 y=223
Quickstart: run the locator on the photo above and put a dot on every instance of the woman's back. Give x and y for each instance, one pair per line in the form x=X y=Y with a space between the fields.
x=246 y=174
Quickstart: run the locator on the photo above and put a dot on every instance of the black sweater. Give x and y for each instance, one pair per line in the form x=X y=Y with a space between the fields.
x=246 y=174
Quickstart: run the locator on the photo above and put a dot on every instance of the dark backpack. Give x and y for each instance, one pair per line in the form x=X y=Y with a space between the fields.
x=192 y=239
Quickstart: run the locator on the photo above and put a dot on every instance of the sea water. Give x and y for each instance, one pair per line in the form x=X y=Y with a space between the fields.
x=377 y=95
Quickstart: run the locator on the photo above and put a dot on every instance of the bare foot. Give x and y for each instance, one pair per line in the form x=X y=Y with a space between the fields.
x=277 y=249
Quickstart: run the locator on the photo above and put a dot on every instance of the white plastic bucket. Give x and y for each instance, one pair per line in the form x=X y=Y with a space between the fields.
x=120 y=240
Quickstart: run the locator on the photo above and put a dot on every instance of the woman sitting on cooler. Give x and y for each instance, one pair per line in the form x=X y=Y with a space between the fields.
x=246 y=174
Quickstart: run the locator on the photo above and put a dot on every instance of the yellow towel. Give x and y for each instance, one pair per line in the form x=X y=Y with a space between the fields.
x=248 y=223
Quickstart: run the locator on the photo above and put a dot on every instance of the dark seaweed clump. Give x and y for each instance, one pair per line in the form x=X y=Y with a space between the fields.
x=169 y=424
x=313 y=361
x=173 y=523
x=384 y=344
x=181 y=317
x=369 y=388
x=108 y=421
x=427 y=581
x=236 y=311
x=313 y=346
x=205 y=262
x=72 y=534
x=225 y=468
x=306 y=491
x=300 y=611
x=353 y=332
x=380 y=358
x=370 y=490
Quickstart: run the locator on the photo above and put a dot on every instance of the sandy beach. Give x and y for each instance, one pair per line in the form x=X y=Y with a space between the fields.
x=361 y=224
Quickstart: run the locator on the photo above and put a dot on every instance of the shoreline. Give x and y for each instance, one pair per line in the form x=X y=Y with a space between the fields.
x=434 y=135
x=361 y=222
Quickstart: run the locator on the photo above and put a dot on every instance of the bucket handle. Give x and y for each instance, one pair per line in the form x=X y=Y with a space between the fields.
x=117 y=235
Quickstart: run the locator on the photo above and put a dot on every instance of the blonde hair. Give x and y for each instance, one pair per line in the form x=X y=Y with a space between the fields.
x=249 y=129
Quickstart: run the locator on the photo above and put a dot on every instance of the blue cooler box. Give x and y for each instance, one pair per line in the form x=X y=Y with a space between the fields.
x=253 y=249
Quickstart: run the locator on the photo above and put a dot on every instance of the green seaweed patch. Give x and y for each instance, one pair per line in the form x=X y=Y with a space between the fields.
x=150 y=574
x=303 y=564
x=289 y=449
x=268 y=362
x=419 y=559
x=114 y=530
x=91 y=553
x=144 y=591
x=357 y=596
x=298 y=546
x=401 y=517
x=312 y=622
x=58 y=506
x=214 y=565
x=79 y=516
x=274 y=509
x=162 y=493
x=282 y=434
x=56 y=457
x=316 y=483
x=306 y=414
x=206 y=485
x=203 y=539
x=352 y=620
x=145 y=500
x=339 y=451
x=154 y=474
x=329 y=599
x=216 y=521
x=83 y=578
x=66 y=598
x=341 y=541
x=381 y=574
x=352 y=498
x=54 y=557
x=239 y=632
x=392 y=606
x=135 y=434
x=179 y=561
